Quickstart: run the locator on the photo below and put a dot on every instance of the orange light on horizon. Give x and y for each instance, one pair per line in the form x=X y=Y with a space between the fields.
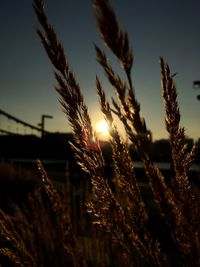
x=101 y=129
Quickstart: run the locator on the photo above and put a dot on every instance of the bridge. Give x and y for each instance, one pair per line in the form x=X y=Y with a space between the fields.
x=18 y=122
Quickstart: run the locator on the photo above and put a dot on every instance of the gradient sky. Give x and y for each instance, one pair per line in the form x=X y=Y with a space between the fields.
x=168 y=28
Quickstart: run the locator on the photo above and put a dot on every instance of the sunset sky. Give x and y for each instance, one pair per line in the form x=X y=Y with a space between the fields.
x=156 y=28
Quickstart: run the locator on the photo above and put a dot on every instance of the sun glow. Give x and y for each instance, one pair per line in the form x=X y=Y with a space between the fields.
x=101 y=128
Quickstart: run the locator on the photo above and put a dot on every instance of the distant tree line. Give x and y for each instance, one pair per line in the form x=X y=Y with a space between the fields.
x=56 y=146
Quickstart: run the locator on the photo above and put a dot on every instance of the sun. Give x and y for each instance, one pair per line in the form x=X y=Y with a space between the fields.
x=101 y=128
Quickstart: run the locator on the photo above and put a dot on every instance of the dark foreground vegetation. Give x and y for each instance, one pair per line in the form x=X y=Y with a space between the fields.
x=118 y=223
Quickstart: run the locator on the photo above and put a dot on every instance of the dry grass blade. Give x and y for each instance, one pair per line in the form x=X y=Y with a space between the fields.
x=69 y=90
x=182 y=159
x=50 y=190
x=127 y=108
x=136 y=214
x=120 y=86
x=70 y=241
x=86 y=146
x=117 y=40
x=123 y=165
x=12 y=256
x=17 y=251
x=112 y=34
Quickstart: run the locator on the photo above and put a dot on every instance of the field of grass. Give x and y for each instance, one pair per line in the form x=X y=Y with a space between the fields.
x=107 y=224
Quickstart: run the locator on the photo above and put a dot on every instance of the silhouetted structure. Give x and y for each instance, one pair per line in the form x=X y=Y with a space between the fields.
x=19 y=121
x=43 y=117
x=196 y=85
